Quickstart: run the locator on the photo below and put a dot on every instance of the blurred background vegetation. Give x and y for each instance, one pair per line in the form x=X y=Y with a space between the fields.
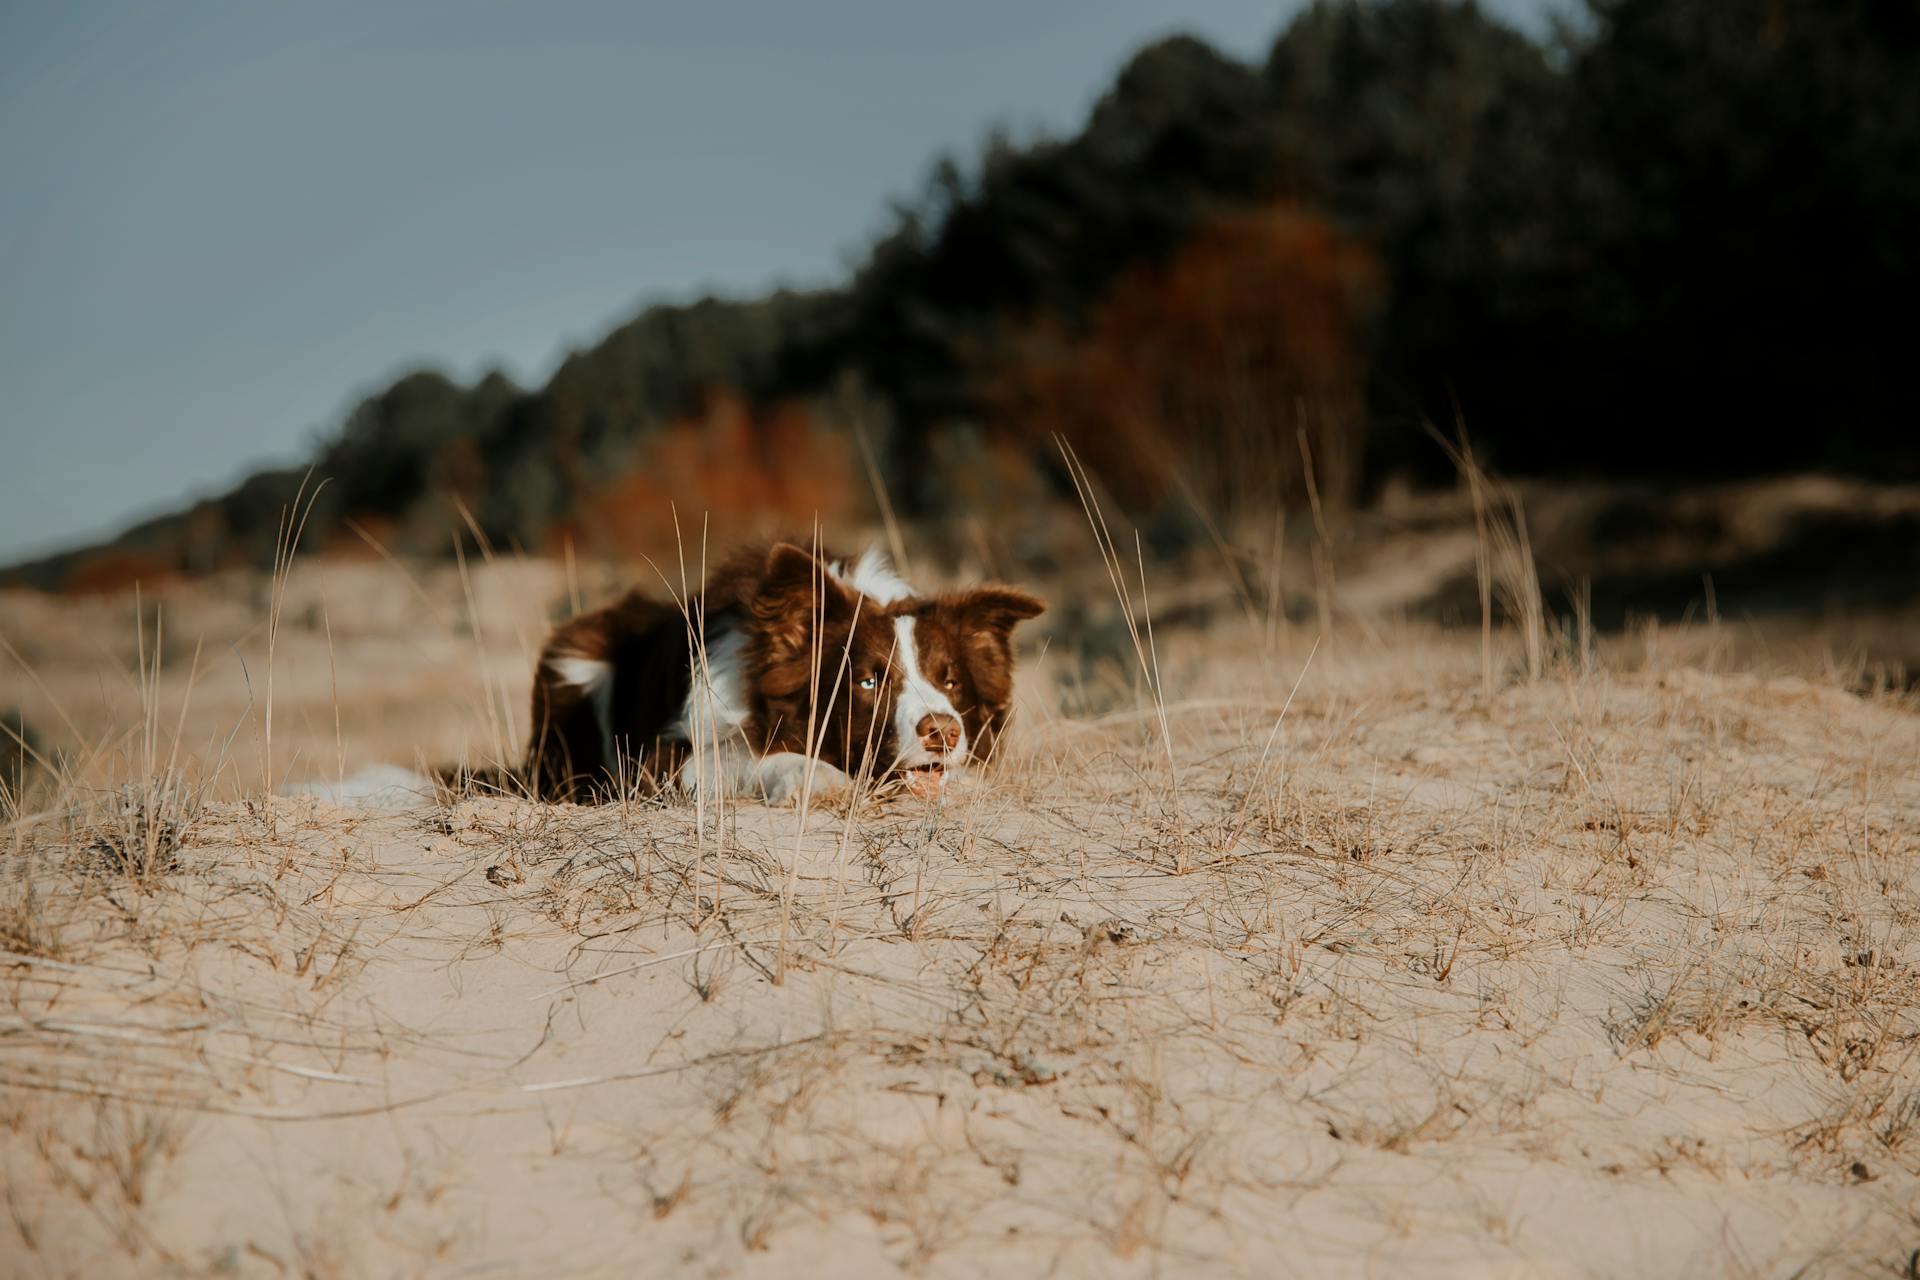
x=1672 y=243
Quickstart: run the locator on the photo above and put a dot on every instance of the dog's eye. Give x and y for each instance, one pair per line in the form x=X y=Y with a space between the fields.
x=869 y=682
x=951 y=683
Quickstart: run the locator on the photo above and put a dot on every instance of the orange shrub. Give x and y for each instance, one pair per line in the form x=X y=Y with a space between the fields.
x=1209 y=367
x=773 y=471
x=112 y=571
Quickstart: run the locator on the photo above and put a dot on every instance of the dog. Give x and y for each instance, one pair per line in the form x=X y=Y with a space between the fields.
x=788 y=671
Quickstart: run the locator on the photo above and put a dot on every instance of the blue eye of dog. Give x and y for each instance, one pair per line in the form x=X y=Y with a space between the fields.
x=869 y=682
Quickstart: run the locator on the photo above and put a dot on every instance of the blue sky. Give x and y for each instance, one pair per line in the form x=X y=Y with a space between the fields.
x=222 y=222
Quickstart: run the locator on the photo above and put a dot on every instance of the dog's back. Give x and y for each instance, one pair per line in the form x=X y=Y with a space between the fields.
x=610 y=692
x=609 y=687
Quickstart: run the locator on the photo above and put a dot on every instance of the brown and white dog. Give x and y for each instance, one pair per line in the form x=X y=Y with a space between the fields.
x=806 y=670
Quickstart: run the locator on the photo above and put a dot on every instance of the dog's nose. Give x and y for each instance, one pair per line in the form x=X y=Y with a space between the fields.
x=939 y=732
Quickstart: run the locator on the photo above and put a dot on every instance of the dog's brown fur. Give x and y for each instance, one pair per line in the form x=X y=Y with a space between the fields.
x=808 y=641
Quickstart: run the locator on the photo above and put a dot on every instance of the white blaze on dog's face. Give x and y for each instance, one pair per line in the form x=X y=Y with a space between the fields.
x=927 y=727
x=895 y=683
x=960 y=694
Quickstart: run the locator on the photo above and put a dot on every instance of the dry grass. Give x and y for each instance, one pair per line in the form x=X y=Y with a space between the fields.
x=1385 y=950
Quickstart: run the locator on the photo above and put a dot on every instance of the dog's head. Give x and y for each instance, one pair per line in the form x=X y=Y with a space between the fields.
x=915 y=685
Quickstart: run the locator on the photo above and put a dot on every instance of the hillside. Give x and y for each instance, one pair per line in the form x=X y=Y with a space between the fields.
x=1444 y=219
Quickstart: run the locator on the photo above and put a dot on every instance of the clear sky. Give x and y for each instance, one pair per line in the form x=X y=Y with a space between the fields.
x=223 y=220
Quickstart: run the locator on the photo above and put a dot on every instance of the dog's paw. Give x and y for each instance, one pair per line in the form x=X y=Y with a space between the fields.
x=926 y=784
x=783 y=778
x=930 y=786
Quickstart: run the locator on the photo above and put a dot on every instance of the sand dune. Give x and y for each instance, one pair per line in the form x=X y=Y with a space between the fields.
x=1600 y=973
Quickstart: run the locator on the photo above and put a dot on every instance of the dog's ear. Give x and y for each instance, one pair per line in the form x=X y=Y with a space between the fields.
x=987 y=617
x=998 y=609
x=800 y=580
x=798 y=595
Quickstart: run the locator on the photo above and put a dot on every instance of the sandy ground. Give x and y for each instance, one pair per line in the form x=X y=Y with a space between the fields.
x=1348 y=964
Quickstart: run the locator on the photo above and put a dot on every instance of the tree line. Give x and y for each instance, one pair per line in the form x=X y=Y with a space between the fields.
x=1672 y=240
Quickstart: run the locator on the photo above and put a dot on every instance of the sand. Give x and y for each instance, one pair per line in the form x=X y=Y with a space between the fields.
x=1348 y=964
